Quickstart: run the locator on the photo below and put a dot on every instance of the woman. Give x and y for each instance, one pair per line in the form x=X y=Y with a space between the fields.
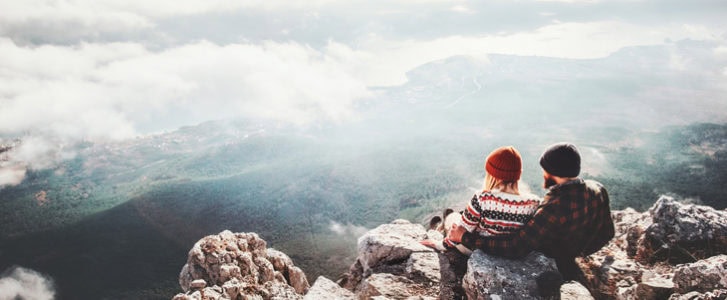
x=498 y=210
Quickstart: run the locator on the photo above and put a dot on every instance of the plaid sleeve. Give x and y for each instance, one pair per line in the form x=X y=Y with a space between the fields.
x=604 y=227
x=542 y=226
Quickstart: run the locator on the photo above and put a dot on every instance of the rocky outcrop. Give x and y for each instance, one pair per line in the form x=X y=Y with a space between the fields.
x=239 y=266
x=673 y=250
x=393 y=265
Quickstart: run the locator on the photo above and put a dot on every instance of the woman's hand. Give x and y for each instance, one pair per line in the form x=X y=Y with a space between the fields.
x=455 y=233
x=429 y=243
x=436 y=245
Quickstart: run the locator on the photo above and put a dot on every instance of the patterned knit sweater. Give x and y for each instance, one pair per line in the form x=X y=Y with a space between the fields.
x=497 y=213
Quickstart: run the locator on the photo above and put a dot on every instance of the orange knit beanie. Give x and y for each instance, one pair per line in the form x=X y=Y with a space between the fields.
x=504 y=163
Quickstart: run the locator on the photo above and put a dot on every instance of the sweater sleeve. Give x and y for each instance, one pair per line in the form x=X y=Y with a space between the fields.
x=471 y=215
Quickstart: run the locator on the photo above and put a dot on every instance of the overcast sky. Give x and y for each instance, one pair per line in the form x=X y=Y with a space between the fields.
x=104 y=70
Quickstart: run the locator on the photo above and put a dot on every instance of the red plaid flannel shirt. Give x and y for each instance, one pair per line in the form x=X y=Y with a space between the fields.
x=574 y=220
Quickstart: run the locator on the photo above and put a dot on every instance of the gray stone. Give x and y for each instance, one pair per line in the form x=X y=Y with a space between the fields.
x=324 y=288
x=574 y=291
x=489 y=276
x=386 y=285
x=424 y=265
x=679 y=228
x=702 y=276
x=719 y=294
x=654 y=289
x=391 y=242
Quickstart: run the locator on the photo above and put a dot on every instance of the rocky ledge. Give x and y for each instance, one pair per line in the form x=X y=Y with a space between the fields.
x=673 y=251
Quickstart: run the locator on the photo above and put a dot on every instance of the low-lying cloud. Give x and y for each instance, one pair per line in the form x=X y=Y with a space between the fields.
x=111 y=91
x=22 y=283
x=347 y=229
x=58 y=95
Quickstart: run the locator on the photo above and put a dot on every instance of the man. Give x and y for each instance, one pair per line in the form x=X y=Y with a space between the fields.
x=573 y=221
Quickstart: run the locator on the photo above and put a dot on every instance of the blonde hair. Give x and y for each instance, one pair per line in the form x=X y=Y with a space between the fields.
x=492 y=183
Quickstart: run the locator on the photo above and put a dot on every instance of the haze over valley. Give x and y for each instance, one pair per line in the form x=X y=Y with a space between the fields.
x=128 y=134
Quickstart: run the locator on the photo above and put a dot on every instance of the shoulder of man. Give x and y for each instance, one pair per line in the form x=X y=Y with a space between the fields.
x=561 y=190
x=592 y=184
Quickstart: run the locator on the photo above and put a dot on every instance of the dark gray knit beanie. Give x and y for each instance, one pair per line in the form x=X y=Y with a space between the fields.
x=562 y=160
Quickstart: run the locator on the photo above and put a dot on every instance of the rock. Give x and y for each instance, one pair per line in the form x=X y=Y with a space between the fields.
x=639 y=262
x=297 y=279
x=236 y=265
x=674 y=251
x=392 y=264
x=654 y=289
x=280 y=260
x=713 y=295
x=390 y=242
x=702 y=276
x=389 y=286
x=574 y=291
x=684 y=232
x=489 y=276
x=424 y=265
x=324 y=288
x=198 y=284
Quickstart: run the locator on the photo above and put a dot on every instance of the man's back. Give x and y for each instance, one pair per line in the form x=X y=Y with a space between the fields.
x=580 y=219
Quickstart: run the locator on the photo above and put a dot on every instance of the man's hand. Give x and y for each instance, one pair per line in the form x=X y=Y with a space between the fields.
x=455 y=233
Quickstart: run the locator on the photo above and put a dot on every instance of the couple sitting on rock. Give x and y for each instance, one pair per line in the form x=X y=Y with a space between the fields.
x=573 y=219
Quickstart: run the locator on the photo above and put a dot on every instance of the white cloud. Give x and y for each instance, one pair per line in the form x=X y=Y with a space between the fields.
x=570 y=1
x=11 y=174
x=104 y=91
x=347 y=229
x=462 y=9
x=22 y=283
x=62 y=21
x=58 y=95
x=387 y=61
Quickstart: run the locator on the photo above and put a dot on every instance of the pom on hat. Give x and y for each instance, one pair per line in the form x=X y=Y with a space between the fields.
x=562 y=160
x=504 y=163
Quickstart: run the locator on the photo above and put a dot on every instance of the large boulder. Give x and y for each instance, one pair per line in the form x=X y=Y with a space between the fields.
x=392 y=264
x=684 y=232
x=490 y=277
x=390 y=243
x=239 y=265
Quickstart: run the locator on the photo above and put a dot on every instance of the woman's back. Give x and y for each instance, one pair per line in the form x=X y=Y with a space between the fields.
x=495 y=212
